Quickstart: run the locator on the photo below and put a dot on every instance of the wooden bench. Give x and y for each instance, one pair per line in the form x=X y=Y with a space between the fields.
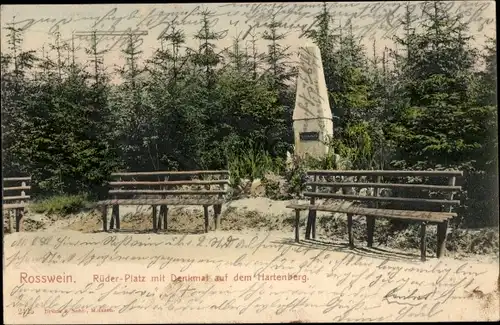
x=415 y=208
x=161 y=189
x=14 y=198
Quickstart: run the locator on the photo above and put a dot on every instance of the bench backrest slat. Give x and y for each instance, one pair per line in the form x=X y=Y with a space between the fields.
x=391 y=173
x=387 y=185
x=13 y=198
x=168 y=173
x=17 y=179
x=169 y=183
x=167 y=192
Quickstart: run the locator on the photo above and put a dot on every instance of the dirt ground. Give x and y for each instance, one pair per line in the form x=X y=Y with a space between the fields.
x=252 y=213
x=264 y=214
x=247 y=218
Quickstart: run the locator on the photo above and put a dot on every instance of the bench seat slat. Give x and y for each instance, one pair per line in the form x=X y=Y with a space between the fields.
x=387 y=213
x=16 y=179
x=173 y=201
x=387 y=185
x=380 y=198
x=167 y=192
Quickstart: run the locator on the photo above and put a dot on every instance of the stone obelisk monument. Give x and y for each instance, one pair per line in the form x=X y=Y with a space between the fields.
x=312 y=118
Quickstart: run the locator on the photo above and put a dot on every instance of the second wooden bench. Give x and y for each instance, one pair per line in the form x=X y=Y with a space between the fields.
x=415 y=207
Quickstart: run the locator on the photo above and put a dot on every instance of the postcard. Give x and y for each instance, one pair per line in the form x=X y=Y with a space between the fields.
x=250 y=162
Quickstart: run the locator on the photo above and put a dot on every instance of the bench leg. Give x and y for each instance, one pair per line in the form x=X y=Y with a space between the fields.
x=154 y=212
x=309 y=224
x=165 y=214
x=349 y=231
x=370 y=229
x=104 y=214
x=116 y=216
x=313 y=224
x=9 y=220
x=19 y=218
x=112 y=221
x=423 y=241
x=442 y=229
x=12 y=216
x=205 y=214
x=160 y=217
x=217 y=211
x=297 y=222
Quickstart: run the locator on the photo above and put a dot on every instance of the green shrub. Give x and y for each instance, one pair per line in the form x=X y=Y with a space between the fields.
x=296 y=176
x=273 y=187
x=61 y=204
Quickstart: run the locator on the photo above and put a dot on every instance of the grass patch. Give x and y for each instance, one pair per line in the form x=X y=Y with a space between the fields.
x=251 y=163
x=61 y=204
x=484 y=241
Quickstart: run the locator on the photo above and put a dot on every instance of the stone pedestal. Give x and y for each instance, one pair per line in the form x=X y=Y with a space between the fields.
x=312 y=117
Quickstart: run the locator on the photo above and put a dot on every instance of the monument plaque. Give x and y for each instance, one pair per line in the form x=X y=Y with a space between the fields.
x=312 y=118
x=309 y=136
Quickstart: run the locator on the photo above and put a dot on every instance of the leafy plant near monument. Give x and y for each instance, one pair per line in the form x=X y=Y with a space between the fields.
x=251 y=162
x=428 y=103
x=296 y=176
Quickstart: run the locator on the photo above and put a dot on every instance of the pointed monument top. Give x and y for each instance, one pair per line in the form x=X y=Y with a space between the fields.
x=312 y=95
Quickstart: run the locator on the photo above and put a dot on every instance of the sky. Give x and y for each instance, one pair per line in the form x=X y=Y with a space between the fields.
x=375 y=21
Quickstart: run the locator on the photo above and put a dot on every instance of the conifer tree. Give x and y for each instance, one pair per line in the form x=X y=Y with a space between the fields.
x=16 y=67
x=171 y=90
x=206 y=59
x=239 y=57
x=280 y=74
x=433 y=128
x=255 y=59
x=277 y=54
